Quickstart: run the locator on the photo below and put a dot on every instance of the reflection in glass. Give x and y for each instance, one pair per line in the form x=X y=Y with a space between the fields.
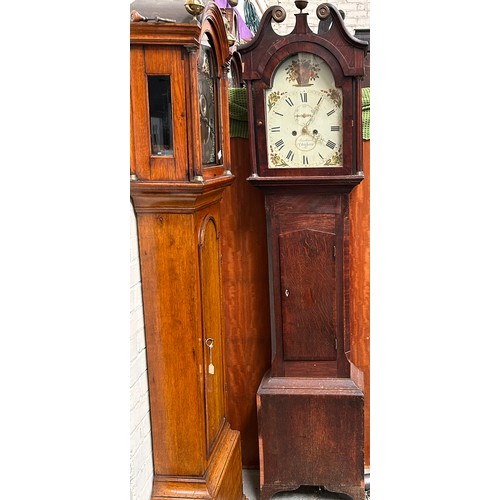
x=160 y=113
x=207 y=89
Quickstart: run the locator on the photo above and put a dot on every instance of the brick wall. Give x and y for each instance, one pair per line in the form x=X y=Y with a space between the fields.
x=141 y=461
x=357 y=14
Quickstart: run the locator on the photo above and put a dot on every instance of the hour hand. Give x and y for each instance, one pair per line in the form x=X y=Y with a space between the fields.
x=318 y=137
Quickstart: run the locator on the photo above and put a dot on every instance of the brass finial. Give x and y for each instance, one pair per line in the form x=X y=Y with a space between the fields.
x=194 y=7
x=231 y=40
x=301 y=4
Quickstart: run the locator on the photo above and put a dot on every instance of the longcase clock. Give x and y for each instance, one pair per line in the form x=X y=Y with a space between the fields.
x=304 y=96
x=180 y=166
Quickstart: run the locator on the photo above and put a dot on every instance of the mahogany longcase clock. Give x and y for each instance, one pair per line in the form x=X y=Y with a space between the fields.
x=180 y=166
x=304 y=96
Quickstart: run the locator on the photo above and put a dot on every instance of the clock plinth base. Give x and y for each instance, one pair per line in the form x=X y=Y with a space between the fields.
x=310 y=433
x=222 y=480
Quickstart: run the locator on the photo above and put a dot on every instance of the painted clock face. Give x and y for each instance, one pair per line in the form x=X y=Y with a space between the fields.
x=207 y=89
x=304 y=115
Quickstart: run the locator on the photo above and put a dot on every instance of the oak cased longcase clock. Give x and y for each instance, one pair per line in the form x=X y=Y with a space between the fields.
x=180 y=167
x=304 y=95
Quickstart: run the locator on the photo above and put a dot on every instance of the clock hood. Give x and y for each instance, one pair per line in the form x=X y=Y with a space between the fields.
x=171 y=10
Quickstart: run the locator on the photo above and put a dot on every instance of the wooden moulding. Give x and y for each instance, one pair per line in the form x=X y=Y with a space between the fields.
x=167 y=34
x=341 y=183
x=221 y=481
x=153 y=197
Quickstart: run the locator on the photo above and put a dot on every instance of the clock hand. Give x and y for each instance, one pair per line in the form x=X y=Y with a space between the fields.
x=318 y=138
x=315 y=135
x=314 y=111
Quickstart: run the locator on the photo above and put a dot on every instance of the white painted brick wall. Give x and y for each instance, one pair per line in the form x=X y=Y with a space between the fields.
x=357 y=14
x=141 y=457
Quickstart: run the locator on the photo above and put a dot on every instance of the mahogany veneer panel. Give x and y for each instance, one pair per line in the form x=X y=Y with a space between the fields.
x=246 y=299
x=312 y=210
x=310 y=291
x=360 y=285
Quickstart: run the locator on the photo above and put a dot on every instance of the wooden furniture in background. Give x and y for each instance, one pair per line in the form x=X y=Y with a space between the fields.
x=179 y=171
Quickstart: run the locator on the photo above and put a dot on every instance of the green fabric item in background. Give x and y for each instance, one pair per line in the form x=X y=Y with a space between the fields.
x=238 y=115
x=365 y=112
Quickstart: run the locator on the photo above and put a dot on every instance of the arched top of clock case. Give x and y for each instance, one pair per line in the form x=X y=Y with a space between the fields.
x=167 y=22
x=275 y=61
x=267 y=50
x=213 y=25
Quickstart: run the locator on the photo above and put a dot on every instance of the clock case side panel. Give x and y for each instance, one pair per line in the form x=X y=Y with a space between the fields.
x=157 y=60
x=171 y=333
x=140 y=136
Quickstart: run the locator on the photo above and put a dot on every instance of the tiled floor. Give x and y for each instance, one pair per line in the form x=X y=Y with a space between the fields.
x=251 y=490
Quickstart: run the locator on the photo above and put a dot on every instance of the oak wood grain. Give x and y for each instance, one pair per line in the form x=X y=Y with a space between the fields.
x=196 y=454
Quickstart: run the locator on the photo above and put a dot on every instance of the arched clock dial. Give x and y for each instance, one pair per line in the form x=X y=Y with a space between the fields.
x=207 y=99
x=304 y=115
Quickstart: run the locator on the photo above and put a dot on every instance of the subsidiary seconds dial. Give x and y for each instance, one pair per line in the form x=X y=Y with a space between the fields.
x=304 y=116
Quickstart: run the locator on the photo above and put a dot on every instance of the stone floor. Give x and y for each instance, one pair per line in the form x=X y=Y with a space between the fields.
x=251 y=490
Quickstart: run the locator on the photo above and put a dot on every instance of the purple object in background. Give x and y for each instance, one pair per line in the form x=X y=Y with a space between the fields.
x=244 y=30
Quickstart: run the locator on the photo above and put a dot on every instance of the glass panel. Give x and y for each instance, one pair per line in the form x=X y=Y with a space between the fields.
x=304 y=115
x=207 y=88
x=160 y=113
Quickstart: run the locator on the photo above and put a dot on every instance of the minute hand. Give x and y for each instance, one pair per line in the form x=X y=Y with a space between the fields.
x=315 y=110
